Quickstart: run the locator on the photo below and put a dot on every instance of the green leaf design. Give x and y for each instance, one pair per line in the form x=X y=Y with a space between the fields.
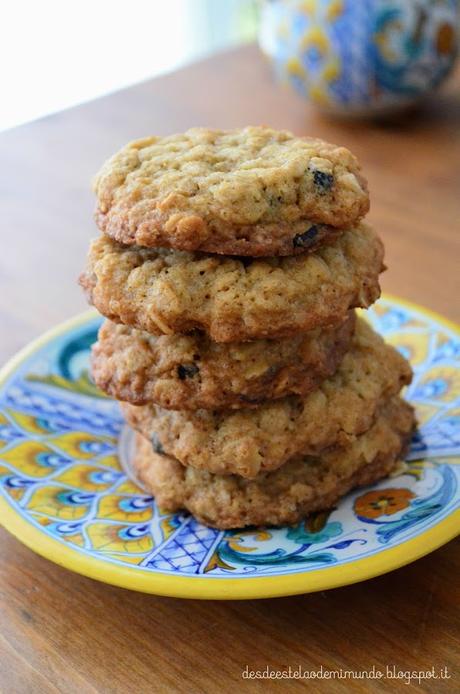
x=82 y=384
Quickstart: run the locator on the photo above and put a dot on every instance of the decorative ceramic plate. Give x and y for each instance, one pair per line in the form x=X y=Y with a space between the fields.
x=64 y=493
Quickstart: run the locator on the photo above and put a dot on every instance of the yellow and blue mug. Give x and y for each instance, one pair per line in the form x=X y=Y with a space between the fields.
x=361 y=57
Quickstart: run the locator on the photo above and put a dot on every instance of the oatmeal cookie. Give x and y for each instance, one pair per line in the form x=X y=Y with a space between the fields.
x=246 y=442
x=285 y=496
x=190 y=372
x=233 y=300
x=253 y=191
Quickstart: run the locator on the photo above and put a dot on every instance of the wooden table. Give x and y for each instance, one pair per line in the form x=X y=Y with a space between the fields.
x=62 y=632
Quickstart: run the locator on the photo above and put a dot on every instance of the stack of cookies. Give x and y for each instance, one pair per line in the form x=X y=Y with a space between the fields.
x=228 y=269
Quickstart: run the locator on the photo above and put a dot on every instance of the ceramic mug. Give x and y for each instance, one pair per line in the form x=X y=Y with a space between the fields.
x=361 y=57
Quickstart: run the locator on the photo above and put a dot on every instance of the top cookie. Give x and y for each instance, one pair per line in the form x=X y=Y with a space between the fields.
x=252 y=191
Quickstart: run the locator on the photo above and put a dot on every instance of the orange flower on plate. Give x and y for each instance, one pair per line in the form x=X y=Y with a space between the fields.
x=382 y=502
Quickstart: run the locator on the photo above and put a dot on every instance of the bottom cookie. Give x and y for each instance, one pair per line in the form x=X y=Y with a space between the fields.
x=303 y=485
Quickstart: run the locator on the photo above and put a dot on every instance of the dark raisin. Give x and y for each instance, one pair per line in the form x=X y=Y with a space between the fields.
x=307 y=238
x=244 y=260
x=187 y=371
x=323 y=180
x=250 y=400
x=156 y=445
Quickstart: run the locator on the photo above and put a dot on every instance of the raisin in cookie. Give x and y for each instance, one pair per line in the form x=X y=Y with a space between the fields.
x=254 y=191
x=233 y=300
x=190 y=372
x=246 y=442
x=285 y=496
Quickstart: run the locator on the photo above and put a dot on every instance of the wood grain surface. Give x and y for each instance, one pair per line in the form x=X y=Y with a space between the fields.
x=60 y=632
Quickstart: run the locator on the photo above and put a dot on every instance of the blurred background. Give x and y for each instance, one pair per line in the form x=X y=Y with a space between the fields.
x=56 y=54
x=352 y=57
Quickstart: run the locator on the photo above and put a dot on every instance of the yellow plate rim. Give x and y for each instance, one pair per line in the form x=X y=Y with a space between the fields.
x=212 y=588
